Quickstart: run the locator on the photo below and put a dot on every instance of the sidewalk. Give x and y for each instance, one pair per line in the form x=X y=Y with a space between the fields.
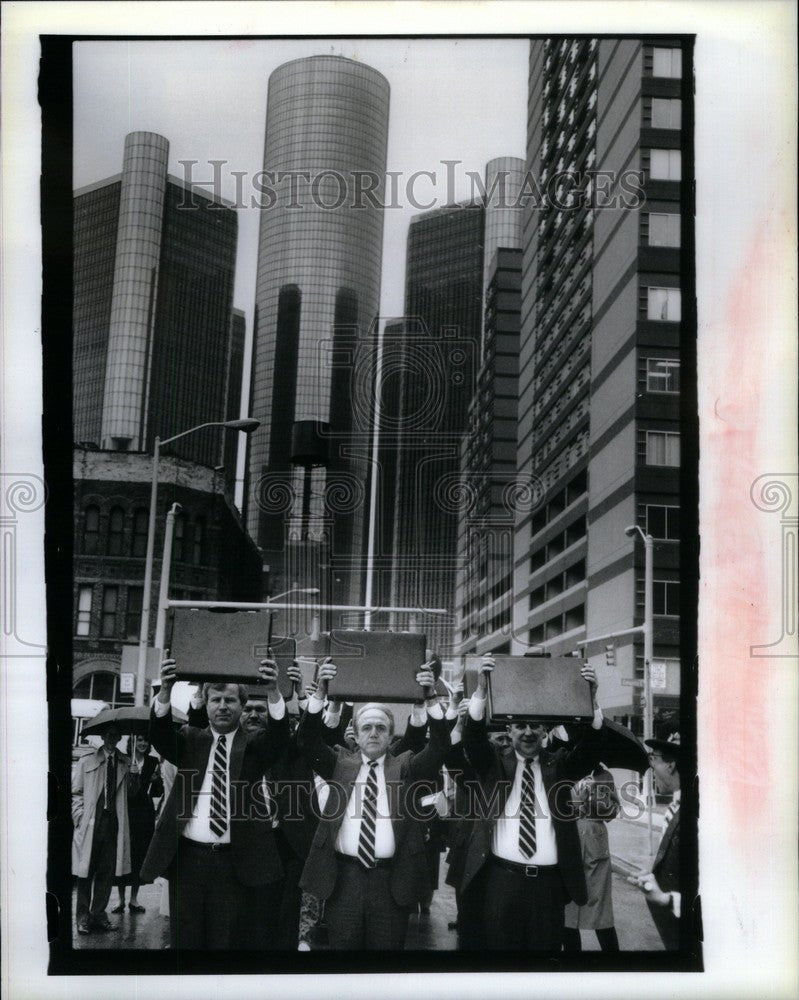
x=629 y=843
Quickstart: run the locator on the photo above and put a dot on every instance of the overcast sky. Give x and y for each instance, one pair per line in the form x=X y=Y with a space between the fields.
x=450 y=100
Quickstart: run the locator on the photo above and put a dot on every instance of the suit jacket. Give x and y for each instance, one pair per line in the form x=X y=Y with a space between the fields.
x=253 y=850
x=408 y=778
x=88 y=783
x=666 y=869
x=559 y=770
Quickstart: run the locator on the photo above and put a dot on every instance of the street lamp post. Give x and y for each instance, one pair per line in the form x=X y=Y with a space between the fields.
x=247 y=426
x=649 y=543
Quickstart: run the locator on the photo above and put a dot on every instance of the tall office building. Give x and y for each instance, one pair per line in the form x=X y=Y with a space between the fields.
x=443 y=306
x=153 y=338
x=492 y=491
x=602 y=317
x=316 y=300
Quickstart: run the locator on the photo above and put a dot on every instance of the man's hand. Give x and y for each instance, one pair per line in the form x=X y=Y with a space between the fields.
x=268 y=677
x=426 y=679
x=168 y=677
x=295 y=674
x=463 y=709
x=456 y=694
x=647 y=883
x=486 y=667
x=589 y=674
x=326 y=674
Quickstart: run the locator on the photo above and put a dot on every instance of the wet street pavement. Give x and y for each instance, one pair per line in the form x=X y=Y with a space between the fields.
x=629 y=844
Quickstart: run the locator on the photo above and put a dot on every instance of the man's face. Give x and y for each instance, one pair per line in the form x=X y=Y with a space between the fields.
x=254 y=716
x=110 y=738
x=664 y=772
x=373 y=733
x=224 y=708
x=527 y=737
x=500 y=740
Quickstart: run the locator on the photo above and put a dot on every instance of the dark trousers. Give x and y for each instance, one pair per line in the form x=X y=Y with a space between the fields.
x=206 y=900
x=606 y=936
x=102 y=864
x=471 y=914
x=362 y=913
x=524 y=913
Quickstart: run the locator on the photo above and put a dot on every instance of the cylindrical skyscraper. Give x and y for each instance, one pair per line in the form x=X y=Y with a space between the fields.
x=317 y=295
x=138 y=254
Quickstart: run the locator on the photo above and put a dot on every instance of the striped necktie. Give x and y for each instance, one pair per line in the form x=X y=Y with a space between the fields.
x=366 y=841
x=110 y=782
x=527 y=813
x=218 y=818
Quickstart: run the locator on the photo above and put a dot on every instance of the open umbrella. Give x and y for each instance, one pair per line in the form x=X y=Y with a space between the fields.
x=622 y=748
x=130 y=719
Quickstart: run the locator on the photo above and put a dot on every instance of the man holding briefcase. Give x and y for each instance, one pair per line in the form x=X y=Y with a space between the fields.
x=524 y=843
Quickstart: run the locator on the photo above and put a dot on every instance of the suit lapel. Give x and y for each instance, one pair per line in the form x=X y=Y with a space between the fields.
x=665 y=840
x=508 y=762
x=393 y=774
x=237 y=754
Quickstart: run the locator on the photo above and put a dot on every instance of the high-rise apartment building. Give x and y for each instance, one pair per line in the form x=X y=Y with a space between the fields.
x=603 y=314
x=316 y=302
x=492 y=491
x=153 y=273
x=443 y=306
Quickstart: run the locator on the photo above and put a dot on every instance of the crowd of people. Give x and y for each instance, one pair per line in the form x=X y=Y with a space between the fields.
x=274 y=829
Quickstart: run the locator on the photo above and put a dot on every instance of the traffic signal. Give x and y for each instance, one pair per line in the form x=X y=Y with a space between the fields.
x=610 y=654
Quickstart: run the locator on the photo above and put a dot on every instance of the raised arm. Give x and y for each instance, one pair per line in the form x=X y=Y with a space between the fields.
x=476 y=744
x=168 y=742
x=427 y=763
x=320 y=757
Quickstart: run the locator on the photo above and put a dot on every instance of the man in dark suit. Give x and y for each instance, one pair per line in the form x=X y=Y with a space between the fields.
x=367 y=859
x=661 y=886
x=523 y=839
x=214 y=838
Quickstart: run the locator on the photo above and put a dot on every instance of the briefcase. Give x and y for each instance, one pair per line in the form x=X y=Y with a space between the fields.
x=533 y=688
x=372 y=666
x=227 y=646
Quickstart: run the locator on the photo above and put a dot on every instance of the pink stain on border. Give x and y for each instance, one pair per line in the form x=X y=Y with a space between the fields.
x=736 y=719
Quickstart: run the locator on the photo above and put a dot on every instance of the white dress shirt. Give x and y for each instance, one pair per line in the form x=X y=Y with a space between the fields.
x=505 y=841
x=199 y=826
x=350 y=830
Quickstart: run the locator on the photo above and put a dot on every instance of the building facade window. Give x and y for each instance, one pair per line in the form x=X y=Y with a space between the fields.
x=667 y=63
x=102 y=686
x=663 y=448
x=665 y=597
x=665 y=164
x=133 y=612
x=84 y=617
x=178 y=539
x=663 y=522
x=198 y=542
x=662 y=375
x=141 y=523
x=116 y=531
x=666 y=112
x=664 y=304
x=664 y=229
x=91 y=531
x=108 y=618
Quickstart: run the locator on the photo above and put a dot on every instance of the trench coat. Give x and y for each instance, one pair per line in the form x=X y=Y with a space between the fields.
x=87 y=786
x=595 y=814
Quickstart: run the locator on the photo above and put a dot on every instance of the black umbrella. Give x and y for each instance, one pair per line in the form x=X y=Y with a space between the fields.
x=130 y=719
x=622 y=748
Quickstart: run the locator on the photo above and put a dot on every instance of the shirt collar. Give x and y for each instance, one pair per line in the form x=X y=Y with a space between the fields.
x=379 y=760
x=216 y=734
x=676 y=797
x=522 y=760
